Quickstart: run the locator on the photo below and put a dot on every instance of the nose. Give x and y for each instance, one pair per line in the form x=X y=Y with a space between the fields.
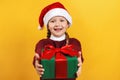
x=57 y=24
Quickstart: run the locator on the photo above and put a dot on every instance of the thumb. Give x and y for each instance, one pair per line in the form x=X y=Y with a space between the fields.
x=79 y=59
x=37 y=56
x=79 y=54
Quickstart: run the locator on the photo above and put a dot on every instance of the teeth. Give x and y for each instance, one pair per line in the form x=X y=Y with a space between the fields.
x=58 y=29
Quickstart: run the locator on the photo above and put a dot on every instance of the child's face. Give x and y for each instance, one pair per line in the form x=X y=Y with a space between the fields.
x=58 y=26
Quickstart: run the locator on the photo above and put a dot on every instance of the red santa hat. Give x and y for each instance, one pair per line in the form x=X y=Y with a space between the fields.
x=55 y=9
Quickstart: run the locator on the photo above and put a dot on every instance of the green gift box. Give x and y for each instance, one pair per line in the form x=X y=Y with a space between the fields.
x=50 y=68
x=59 y=63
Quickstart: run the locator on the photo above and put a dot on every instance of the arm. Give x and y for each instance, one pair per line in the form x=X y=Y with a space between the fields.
x=38 y=67
x=78 y=47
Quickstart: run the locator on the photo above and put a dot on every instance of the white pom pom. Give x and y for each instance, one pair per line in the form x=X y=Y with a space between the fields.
x=39 y=27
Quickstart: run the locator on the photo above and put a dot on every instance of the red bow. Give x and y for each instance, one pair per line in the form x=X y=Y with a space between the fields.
x=51 y=51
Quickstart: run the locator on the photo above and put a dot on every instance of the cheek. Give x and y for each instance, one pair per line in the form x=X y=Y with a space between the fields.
x=66 y=26
x=49 y=26
x=51 y=29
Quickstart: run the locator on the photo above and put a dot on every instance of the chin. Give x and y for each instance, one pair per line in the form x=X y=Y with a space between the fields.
x=58 y=35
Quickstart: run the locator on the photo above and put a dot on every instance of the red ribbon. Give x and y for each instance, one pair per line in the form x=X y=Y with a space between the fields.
x=51 y=51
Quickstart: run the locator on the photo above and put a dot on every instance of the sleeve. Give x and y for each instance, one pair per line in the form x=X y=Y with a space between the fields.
x=38 y=48
x=77 y=46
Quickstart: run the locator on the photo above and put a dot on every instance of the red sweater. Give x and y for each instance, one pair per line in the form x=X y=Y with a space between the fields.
x=57 y=44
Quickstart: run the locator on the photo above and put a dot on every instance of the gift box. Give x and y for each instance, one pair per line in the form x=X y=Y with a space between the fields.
x=59 y=62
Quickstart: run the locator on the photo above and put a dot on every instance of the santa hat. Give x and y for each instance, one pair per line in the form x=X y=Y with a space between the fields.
x=55 y=9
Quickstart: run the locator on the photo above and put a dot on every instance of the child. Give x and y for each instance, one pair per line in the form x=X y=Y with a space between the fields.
x=57 y=20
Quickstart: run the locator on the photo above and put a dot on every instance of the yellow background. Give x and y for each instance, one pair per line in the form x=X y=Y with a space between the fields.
x=96 y=23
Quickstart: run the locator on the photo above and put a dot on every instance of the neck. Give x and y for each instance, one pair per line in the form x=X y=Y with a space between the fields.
x=52 y=37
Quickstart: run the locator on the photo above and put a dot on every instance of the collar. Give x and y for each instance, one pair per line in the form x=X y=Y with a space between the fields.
x=52 y=37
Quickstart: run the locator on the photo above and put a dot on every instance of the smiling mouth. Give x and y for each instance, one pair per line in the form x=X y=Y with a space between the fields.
x=58 y=29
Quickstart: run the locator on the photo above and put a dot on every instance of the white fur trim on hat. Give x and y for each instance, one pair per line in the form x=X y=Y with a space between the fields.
x=57 y=12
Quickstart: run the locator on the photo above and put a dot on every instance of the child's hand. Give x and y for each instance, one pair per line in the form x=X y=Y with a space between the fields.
x=38 y=67
x=79 y=64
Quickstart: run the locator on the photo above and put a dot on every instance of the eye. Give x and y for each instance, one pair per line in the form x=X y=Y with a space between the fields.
x=52 y=21
x=62 y=20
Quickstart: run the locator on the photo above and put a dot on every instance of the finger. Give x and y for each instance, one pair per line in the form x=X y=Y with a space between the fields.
x=37 y=64
x=40 y=69
x=79 y=64
x=79 y=71
x=40 y=73
x=79 y=59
